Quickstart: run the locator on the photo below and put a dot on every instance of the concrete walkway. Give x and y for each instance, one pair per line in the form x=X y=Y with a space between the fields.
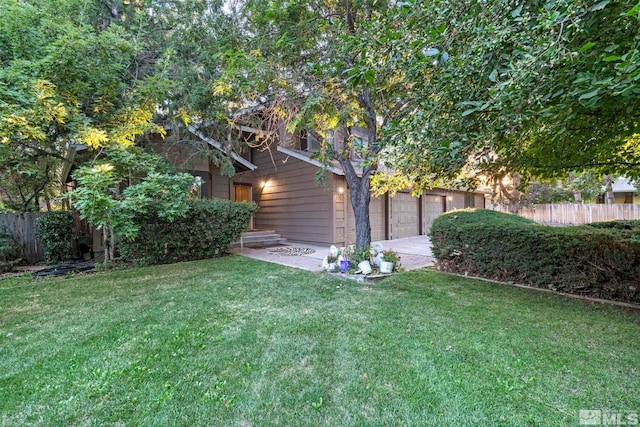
x=415 y=252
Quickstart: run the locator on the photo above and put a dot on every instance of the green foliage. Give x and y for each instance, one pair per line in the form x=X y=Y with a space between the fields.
x=360 y=254
x=54 y=231
x=628 y=225
x=8 y=252
x=584 y=260
x=545 y=192
x=70 y=74
x=315 y=66
x=587 y=185
x=206 y=230
x=537 y=88
x=626 y=228
x=148 y=182
x=389 y=255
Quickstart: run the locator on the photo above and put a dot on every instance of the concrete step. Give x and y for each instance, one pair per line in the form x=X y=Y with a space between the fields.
x=258 y=233
x=262 y=238
x=248 y=239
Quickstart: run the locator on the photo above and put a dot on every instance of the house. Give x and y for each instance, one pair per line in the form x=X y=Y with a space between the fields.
x=282 y=181
x=624 y=192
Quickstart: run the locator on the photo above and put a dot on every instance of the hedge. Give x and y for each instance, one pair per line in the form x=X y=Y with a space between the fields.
x=55 y=231
x=206 y=231
x=8 y=251
x=594 y=260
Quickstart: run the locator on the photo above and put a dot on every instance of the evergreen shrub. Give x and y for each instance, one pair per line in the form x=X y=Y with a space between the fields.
x=597 y=261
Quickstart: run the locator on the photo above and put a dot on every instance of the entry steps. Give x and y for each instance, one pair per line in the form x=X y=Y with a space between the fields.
x=259 y=239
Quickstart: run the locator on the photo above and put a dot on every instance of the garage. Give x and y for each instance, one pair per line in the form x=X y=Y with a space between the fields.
x=432 y=207
x=404 y=220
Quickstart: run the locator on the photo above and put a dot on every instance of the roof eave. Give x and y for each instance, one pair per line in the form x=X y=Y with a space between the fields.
x=244 y=162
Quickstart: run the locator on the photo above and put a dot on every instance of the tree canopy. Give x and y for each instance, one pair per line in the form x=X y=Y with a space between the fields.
x=540 y=88
x=68 y=76
x=427 y=93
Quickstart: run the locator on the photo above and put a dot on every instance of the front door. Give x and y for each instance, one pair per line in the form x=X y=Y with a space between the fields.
x=243 y=193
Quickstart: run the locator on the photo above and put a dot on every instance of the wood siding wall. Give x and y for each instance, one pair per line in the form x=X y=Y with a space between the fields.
x=22 y=228
x=571 y=214
x=291 y=203
x=220 y=184
x=344 y=210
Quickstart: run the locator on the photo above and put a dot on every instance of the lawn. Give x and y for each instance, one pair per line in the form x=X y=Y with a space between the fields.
x=235 y=341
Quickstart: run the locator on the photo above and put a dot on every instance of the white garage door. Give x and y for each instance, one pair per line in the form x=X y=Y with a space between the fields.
x=405 y=216
x=433 y=207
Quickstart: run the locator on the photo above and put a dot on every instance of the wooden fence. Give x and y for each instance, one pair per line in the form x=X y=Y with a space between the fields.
x=574 y=214
x=22 y=227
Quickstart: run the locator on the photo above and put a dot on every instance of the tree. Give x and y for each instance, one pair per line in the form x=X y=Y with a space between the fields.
x=123 y=184
x=71 y=73
x=537 y=88
x=319 y=66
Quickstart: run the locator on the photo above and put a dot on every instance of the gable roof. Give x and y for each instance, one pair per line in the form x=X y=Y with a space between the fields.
x=305 y=156
x=235 y=156
x=623 y=185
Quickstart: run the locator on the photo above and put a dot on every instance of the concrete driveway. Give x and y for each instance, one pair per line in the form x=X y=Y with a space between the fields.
x=415 y=252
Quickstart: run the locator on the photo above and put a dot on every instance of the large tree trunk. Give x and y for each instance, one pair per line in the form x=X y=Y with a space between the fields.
x=577 y=194
x=360 y=196
x=609 y=198
x=514 y=195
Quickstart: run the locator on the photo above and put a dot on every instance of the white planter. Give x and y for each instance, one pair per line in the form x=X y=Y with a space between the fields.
x=332 y=266
x=365 y=267
x=386 y=267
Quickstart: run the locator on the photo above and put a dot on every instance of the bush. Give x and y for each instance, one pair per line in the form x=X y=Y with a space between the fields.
x=587 y=260
x=206 y=231
x=55 y=232
x=8 y=252
x=627 y=228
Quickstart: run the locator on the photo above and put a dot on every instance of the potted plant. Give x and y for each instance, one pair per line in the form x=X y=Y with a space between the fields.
x=345 y=259
x=332 y=262
x=362 y=258
x=389 y=260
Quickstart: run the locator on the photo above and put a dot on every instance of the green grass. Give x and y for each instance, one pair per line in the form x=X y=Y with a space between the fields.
x=235 y=341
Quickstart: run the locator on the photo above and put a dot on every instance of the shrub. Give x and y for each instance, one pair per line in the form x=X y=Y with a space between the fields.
x=586 y=260
x=206 y=231
x=55 y=232
x=631 y=225
x=626 y=228
x=8 y=252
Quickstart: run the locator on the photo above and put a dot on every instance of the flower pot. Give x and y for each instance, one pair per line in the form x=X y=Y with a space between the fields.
x=365 y=267
x=332 y=266
x=344 y=265
x=386 y=267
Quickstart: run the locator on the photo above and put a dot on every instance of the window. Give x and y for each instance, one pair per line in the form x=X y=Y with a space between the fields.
x=200 y=187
